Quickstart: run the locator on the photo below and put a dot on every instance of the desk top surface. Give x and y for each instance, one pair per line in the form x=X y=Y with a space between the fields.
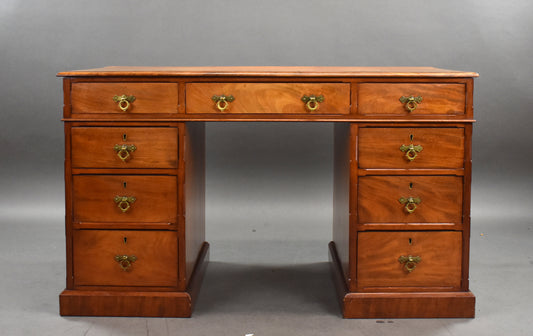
x=267 y=71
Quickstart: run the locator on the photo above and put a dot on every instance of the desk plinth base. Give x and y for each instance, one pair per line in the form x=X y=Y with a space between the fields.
x=136 y=304
x=399 y=305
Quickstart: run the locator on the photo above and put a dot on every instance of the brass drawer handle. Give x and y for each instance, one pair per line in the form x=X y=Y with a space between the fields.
x=410 y=203
x=124 y=202
x=123 y=151
x=411 y=151
x=312 y=102
x=125 y=261
x=410 y=262
x=124 y=101
x=411 y=102
x=222 y=102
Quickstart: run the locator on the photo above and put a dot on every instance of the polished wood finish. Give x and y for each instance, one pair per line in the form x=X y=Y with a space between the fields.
x=442 y=147
x=437 y=99
x=149 y=97
x=277 y=98
x=156 y=147
x=155 y=199
x=378 y=269
x=371 y=228
x=441 y=199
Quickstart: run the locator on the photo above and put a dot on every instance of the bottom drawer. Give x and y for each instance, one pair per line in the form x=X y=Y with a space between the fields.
x=125 y=258
x=383 y=260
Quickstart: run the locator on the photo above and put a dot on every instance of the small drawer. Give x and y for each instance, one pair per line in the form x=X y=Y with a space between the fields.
x=124 y=147
x=278 y=98
x=124 y=199
x=124 y=98
x=409 y=260
x=125 y=258
x=410 y=199
x=405 y=148
x=385 y=99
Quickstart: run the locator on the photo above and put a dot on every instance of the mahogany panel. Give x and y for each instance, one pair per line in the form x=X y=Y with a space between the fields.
x=437 y=99
x=379 y=268
x=149 y=97
x=441 y=147
x=93 y=147
x=155 y=199
x=95 y=251
x=441 y=199
x=276 y=98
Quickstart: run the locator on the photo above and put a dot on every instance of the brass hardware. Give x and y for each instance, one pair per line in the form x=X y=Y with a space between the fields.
x=124 y=202
x=125 y=261
x=124 y=101
x=222 y=102
x=410 y=262
x=312 y=102
x=125 y=240
x=410 y=185
x=125 y=137
x=123 y=151
x=411 y=102
x=410 y=203
x=125 y=185
x=411 y=151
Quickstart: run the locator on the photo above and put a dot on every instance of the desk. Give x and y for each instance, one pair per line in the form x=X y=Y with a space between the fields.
x=135 y=182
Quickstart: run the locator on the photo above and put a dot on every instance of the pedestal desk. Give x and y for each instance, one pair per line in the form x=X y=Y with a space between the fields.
x=135 y=182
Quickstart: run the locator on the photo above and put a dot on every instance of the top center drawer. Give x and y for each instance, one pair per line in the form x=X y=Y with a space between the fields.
x=255 y=98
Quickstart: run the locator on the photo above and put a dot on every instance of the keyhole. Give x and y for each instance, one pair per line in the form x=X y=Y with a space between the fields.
x=410 y=241
x=411 y=137
x=126 y=240
x=410 y=185
x=124 y=184
x=124 y=137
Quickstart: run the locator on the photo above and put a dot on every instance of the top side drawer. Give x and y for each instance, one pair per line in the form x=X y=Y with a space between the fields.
x=105 y=98
x=284 y=98
x=435 y=99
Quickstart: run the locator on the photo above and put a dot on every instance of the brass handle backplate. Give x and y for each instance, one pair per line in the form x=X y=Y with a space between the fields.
x=410 y=262
x=124 y=101
x=312 y=102
x=411 y=151
x=125 y=261
x=411 y=102
x=124 y=202
x=123 y=151
x=410 y=203
x=222 y=102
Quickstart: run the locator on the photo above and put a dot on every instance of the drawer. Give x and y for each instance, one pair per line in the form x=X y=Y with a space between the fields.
x=124 y=199
x=411 y=147
x=381 y=99
x=410 y=199
x=152 y=258
x=124 y=147
x=436 y=260
x=282 y=98
x=147 y=98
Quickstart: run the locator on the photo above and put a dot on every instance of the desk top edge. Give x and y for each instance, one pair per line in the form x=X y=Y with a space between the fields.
x=265 y=71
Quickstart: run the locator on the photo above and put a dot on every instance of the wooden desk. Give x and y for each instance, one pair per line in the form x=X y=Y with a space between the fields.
x=134 y=182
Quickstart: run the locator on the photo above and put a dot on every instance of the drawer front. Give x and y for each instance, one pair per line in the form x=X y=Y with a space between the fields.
x=383 y=99
x=124 y=199
x=436 y=260
x=410 y=199
x=279 y=98
x=99 y=258
x=148 y=98
x=411 y=147
x=111 y=147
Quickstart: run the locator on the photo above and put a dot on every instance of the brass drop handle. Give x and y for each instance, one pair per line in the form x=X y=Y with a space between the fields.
x=124 y=101
x=222 y=102
x=410 y=262
x=312 y=102
x=125 y=261
x=411 y=151
x=410 y=203
x=124 y=202
x=123 y=151
x=411 y=102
